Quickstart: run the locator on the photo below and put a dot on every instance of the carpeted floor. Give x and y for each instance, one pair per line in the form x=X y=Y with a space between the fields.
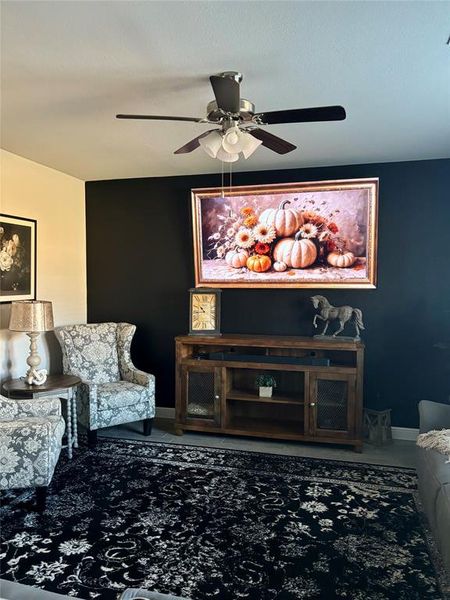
x=221 y=524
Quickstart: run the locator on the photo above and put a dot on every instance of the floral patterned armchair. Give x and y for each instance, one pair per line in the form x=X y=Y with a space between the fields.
x=30 y=443
x=112 y=391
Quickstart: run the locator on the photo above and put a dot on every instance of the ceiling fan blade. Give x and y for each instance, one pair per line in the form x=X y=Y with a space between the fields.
x=301 y=115
x=271 y=141
x=193 y=144
x=160 y=118
x=226 y=91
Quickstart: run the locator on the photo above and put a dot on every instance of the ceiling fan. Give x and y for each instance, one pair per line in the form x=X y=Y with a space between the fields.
x=239 y=125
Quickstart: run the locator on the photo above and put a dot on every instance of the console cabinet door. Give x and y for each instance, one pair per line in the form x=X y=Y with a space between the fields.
x=332 y=405
x=201 y=391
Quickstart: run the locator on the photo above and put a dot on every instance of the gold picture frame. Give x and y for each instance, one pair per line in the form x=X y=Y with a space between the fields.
x=339 y=218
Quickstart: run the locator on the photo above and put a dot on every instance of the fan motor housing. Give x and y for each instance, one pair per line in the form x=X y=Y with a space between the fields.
x=246 y=111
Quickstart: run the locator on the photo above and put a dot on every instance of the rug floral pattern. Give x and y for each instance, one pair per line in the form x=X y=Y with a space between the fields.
x=220 y=524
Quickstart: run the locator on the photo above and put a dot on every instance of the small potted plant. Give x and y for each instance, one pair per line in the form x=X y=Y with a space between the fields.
x=265 y=383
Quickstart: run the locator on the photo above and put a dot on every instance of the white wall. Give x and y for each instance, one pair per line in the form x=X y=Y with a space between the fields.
x=57 y=202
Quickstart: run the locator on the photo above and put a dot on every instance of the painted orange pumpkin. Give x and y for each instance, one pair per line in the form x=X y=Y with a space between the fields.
x=236 y=258
x=286 y=221
x=295 y=252
x=259 y=263
x=341 y=259
x=279 y=266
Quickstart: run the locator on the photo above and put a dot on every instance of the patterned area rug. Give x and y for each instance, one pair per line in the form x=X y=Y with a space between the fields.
x=221 y=524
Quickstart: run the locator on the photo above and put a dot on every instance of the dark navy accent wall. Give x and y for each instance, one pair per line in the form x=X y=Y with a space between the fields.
x=140 y=266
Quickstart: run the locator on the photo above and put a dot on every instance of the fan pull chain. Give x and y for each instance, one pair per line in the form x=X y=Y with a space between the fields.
x=231 y=178
x=223 y=191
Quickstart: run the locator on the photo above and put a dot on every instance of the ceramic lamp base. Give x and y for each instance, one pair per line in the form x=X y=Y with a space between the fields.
x=34 y=375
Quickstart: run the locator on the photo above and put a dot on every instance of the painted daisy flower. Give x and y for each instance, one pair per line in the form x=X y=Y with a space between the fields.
x=308 y=230
x=244 y=238
x=264 y=233
x=230 y=232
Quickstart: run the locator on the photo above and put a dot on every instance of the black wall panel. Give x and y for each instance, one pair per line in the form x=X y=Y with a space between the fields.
x=140 y=266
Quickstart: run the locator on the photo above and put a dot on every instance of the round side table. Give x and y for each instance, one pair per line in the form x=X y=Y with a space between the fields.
x=56 y=385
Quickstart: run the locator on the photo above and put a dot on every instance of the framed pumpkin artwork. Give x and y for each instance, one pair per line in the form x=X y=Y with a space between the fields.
x=313 y=235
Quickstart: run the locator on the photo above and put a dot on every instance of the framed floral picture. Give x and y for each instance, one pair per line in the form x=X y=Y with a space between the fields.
x=17 y=258
x=313 y=235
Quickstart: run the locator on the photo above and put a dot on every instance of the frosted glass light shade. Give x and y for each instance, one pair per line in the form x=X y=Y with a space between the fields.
x=233 y=140
x=211 y=143
x=250 y=144
x=31 y=316
x=226 y=157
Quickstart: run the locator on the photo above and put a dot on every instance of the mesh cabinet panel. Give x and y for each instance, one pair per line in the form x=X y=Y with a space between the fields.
x=332 y=398
x=201 y=392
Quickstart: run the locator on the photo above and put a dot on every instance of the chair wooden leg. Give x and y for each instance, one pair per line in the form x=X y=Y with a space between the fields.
x=92 y=438
x=148 y=426
x=41 y=498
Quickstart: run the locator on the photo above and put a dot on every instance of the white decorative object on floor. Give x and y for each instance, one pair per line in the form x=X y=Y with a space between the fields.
x=32 y=317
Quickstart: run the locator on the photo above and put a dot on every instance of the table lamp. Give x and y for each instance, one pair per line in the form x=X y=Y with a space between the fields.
x=32 y=317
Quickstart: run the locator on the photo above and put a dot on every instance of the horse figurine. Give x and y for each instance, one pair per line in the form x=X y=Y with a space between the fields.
x=330 y=313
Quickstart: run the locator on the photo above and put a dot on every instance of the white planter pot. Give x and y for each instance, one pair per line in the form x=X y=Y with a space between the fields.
x=265 y=392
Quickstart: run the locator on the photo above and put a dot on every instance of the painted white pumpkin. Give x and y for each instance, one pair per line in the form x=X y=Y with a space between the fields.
x=341 y=259
x=295 y=252
x=279 y=266
x=286 y=221
x=236 y=258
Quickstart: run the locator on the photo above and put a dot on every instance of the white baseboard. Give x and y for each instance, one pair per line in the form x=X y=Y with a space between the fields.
x=165 y=412
x=405 y=433
x=398 y=433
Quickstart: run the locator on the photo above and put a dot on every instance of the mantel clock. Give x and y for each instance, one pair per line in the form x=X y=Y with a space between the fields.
x=204 y=312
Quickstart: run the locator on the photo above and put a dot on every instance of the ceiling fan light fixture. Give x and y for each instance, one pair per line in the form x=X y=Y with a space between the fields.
x=211 y=143
x=233 y=140
x=250 y=144
x=225 y=156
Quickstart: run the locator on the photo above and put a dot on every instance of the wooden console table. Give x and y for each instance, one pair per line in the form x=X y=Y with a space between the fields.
x=319 y=402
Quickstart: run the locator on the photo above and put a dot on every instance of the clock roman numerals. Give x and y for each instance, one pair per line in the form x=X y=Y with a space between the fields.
x=204 y=311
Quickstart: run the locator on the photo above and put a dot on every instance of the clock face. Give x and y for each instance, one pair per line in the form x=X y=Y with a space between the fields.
x=203 y=312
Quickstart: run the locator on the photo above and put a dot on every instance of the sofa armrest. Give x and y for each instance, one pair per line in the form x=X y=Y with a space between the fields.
x=433 y=415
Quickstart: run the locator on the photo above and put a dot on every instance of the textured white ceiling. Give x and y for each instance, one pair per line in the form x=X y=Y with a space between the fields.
x=69 y=67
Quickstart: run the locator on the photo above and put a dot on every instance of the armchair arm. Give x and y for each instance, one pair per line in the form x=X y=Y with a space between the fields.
x=433 y=416
x=29 y=407
x=39 y=407
x=134 y=375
